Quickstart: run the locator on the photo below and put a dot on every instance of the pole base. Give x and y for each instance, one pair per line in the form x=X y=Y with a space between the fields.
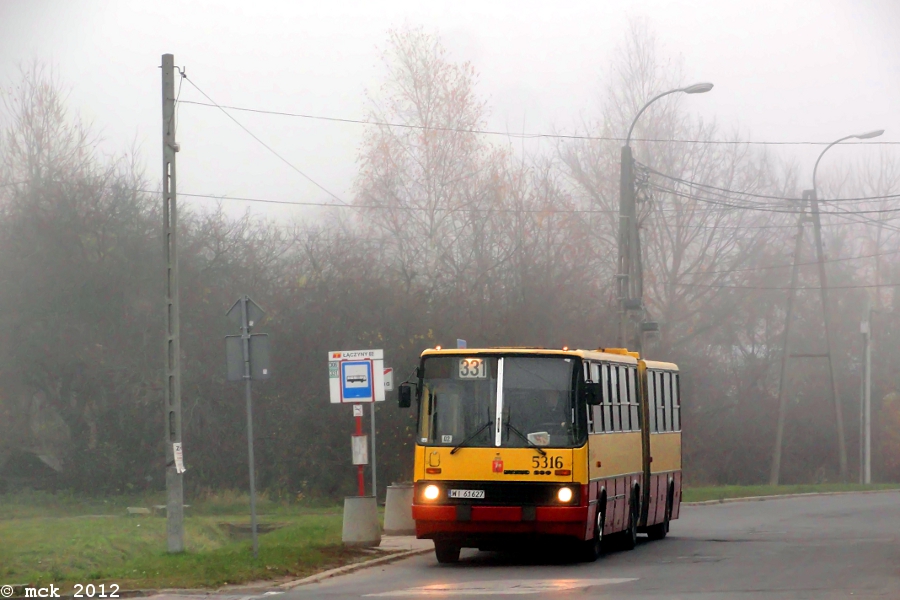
x=361 y=526
x=398 y=519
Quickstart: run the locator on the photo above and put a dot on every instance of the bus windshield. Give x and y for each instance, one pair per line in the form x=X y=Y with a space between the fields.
x=535 y=396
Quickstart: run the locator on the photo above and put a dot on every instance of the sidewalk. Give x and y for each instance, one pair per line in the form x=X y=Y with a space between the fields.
x=395 y=543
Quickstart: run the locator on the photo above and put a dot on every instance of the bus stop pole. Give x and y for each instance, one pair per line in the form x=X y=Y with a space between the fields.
x=359 y=468
x=374 y=478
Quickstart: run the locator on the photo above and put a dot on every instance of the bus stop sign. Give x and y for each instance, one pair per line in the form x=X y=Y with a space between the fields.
x=356 y=376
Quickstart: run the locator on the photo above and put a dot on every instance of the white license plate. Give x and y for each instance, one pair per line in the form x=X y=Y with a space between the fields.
x=467 y=493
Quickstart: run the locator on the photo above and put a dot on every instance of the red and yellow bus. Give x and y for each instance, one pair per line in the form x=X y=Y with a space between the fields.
x=515 y=444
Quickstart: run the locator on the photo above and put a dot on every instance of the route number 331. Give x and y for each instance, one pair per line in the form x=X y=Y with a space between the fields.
x=546 y=462
x=472 y=368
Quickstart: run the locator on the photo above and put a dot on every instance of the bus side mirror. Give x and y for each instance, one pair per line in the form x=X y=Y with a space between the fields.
x=593 y=393
x=404 y=395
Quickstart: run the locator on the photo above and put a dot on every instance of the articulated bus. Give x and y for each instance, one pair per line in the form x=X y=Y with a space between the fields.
x=517 y=444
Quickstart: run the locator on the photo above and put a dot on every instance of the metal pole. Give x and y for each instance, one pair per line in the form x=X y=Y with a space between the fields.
x=626 y=200
x=775 y=474
x=172 y=386
x=864 y=330
x=245 y=337
x=823 y=290
x=360 y=477
x=374 y=470
x=868 y=399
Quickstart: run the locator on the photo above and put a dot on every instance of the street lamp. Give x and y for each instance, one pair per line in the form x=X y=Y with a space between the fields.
x=813 y=198
x=630 y=275
x=859 y=136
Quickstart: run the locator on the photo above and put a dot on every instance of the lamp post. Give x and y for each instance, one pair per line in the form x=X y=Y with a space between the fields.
x=630 y=274
x=812 y=196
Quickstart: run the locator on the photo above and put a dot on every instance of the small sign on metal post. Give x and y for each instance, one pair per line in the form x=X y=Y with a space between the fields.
x=359 y=446
x=357 y=410
x=247 y=358
x=388 y=379
x=179 y=457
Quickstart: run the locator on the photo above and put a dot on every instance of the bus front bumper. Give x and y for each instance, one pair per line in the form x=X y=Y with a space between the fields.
x=467 y=520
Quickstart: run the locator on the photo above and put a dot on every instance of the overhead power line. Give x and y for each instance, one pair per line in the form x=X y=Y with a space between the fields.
x=265 y=145
x=788 y=266
x=786 y=288
x=768 y=208
x=764 y=196
x=533 y=135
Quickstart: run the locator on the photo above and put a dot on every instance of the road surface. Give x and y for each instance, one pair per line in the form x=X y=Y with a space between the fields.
x=845 y=546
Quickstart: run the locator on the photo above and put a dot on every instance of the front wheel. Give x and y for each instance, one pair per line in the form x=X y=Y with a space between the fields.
x=593 y=548
x=446 y=552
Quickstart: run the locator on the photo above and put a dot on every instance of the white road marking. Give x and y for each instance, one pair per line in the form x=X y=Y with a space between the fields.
x=501 y=587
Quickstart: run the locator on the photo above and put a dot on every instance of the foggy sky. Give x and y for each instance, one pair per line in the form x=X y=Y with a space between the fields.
x=805 y=70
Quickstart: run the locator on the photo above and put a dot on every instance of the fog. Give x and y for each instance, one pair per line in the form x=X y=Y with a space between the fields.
x=453 y=232
x=803 y=71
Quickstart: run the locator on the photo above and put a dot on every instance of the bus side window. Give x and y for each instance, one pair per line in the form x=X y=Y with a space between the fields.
x=614 y=398
x=625 y=374
x=590 y=374
x=676 y=402
x=623 y=399
x=604 y=401
x=608 y=395
x=651 y=400
x=597 y=410
x=664 y=415
x=633 y=401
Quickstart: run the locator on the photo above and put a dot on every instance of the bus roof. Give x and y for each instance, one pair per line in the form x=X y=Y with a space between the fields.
x=663 y=366
x=598 y=354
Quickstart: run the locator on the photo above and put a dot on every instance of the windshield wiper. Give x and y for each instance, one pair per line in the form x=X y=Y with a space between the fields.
x=471 y=437
x=525 y=437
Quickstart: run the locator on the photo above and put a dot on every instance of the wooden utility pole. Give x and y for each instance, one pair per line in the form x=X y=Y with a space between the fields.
x=172 y=387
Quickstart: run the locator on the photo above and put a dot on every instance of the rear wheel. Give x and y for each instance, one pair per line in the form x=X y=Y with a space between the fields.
x=593 y=548
x=629 y=536
x=446 y=552
x=660 y=530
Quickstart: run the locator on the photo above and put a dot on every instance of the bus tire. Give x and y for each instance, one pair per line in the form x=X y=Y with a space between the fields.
x=446 y=552
x=593 y=548
x=629 y=536
x=660 y=530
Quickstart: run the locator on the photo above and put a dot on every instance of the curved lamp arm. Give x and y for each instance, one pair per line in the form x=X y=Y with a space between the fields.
x=860 y=136
x=640 y=112
x=697 y=88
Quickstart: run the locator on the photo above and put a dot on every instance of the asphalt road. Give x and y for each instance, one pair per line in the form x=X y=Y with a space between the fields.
x=845 y=546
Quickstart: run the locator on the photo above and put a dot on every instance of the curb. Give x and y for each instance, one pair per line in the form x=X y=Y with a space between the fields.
x=803 y=495
x=351 y=568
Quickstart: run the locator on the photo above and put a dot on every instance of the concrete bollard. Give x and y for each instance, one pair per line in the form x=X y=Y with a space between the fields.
x=398 y=518
x=361 y=526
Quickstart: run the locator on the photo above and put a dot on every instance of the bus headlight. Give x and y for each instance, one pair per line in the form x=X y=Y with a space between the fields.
x=563 y=495
x=432 y=492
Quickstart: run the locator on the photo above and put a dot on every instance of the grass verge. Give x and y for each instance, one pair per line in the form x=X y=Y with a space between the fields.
x=47 y=541
x=702 y=494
